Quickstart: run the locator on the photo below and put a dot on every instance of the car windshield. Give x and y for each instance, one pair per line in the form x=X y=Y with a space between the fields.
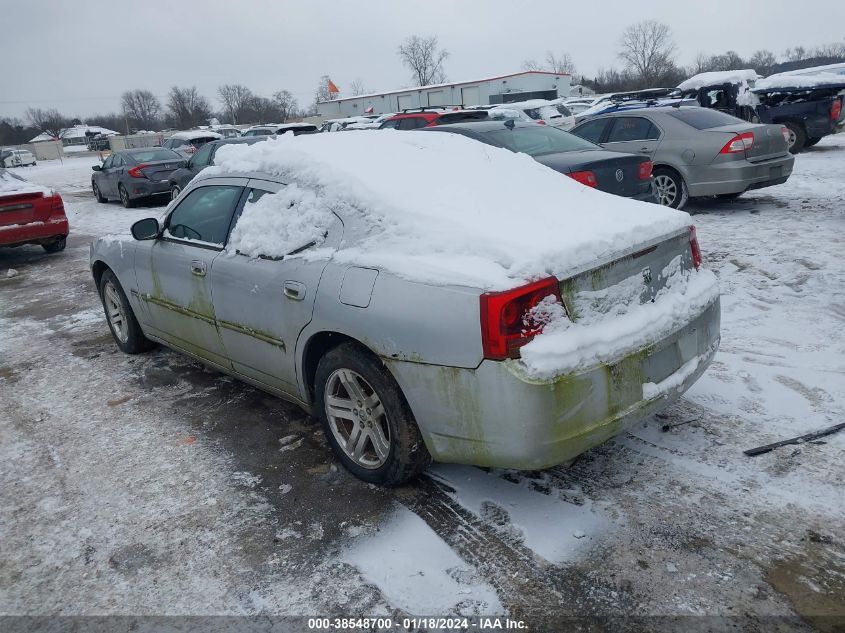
x=154 y=154
x=703 y=118
x=539 y=140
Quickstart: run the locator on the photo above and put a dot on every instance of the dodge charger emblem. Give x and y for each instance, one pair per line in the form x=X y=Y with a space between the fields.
x=647 y=275
x=619 y=175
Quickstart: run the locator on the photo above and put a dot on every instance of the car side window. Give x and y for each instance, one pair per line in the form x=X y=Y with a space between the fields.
x=591 y=130
x=411 y=123
x=203 y=156
x=205 y=214
x=389 y=125
x=108 y=162
x=632 y=128
x=118 y=161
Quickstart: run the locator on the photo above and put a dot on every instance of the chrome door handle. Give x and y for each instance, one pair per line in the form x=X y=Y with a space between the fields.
x=198 y=268
x=294 y=290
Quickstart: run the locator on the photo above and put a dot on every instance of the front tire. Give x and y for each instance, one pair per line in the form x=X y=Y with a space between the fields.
x=366 y=418
x=812 y=141
x=97 y=194
x=174 y=192
x=125 y=200
x=120 y=317
x=797 y=137
x=670 y=188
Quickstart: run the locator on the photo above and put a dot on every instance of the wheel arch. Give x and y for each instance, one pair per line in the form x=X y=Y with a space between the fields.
x=318 y=345
x=97 y=269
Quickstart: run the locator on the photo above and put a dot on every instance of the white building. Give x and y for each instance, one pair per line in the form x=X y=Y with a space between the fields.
x=75 y=135
x=530 y=84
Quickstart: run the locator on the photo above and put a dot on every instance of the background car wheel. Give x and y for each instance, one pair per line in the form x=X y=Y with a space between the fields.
x=124 y=197
x=797 y=137
x=812 y=141
x=669 y=188
x=122 y=322
x=99 y=196
x=174 y=192
x=366 y=418
x=56 y=246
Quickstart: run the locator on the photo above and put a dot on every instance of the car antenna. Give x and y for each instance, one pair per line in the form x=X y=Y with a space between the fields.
x=509 y=124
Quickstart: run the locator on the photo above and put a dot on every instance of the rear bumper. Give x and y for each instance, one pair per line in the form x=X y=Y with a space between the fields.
x=34 y=232
x=147 y=188
x=496 y=416
x=738 y=176
x=650 y=195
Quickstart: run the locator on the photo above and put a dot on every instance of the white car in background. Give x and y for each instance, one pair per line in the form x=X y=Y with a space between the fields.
x=188 y=142
x=552 y=112
x=12 y=157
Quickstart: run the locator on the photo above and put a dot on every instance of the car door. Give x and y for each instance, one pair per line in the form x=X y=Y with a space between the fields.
x=634 y=135
x=262 y=304
x=200 y=160
x=112 y=175
x=101 y=177
x=174 y=277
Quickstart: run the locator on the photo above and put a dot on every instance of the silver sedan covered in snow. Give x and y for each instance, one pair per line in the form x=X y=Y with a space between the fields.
x=411 y=330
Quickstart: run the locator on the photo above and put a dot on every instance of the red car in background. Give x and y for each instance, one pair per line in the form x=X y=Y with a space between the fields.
x=31 y=214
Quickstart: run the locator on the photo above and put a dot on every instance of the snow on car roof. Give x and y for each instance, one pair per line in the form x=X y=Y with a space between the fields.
x=495 y=219
x=794 y=80
x=13 y=184
x=189 y=134
x=718 y=77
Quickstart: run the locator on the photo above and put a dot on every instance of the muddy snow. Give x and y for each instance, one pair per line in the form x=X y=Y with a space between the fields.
x=151 y=485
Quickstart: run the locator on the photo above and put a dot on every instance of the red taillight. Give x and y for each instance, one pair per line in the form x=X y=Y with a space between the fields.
x=785 y=133
x=585 y=177
x=835 y=110
x=694 y=247
x=56 y=203
x=540 y=122
x=738 y=143
x=135 y=171
x=505 y=322
x=645 y=170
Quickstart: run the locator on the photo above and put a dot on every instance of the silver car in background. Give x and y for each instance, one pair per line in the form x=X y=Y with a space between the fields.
x=696 y=152
x=399 y=371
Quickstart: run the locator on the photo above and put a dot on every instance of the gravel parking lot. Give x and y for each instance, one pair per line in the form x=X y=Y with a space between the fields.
x=151 y=485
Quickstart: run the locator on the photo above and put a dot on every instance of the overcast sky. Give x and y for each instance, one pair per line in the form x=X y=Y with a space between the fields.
x=80 y=55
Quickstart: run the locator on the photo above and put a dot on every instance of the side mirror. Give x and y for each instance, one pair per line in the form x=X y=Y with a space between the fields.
x=146 y=229
x=97 y=167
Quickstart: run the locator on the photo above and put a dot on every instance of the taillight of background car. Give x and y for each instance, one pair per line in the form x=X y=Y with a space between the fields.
x=785 y=132
x=585 y=178
x=645 y=170
x=506 y=317
x=835 y=110
x=135 y=172
x=738 y=143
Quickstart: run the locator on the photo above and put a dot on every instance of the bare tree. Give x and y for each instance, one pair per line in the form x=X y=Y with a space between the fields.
x=323 y=93
x=50 y=121
x=286 y=104
x=560 y=64
x=836 y=50
x=797 y=54
x=235 y=98
x=186 y=107
x=647 y=49
x=141 y=107
x=763 y=61
x=425 y=60
x=357 y=88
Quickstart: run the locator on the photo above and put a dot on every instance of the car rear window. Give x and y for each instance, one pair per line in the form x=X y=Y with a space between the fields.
x=703 y=118
x=460 y=117
x=539 y=140
x=148 y=155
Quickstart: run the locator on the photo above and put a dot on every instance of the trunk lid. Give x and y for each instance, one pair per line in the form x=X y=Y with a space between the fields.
x=768 y=139
x=626 y=280
x=20 y=208
x=607 y=167
x=160 y=169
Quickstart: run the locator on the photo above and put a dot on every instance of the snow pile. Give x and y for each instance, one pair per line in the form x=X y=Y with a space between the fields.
x=612 y=323
x=282 y=222
x=441 y=208
x=718 y=77
x=12 y=184
x=790 y=80
x=418 y=572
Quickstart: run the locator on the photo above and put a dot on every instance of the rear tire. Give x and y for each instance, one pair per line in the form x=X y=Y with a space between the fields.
x=670 y=188
x=797 y=137
x=56 y=246
x=124 y=197
x=174 y=192
x=356 y=397
x=119 y=315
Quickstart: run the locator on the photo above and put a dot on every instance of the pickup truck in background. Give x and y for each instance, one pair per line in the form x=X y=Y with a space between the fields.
x=810 y=108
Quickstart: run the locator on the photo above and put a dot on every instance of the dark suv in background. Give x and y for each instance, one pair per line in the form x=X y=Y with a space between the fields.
x=203 y=157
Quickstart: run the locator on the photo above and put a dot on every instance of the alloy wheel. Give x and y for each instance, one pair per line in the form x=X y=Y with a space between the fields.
x=124 y=196
x=667 y=190
x=792 y=138
x=115 y=313
x=174 y=192
x=357 y=418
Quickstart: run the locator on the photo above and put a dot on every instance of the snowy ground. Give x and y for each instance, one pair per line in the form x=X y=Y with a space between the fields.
x=149 y=485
